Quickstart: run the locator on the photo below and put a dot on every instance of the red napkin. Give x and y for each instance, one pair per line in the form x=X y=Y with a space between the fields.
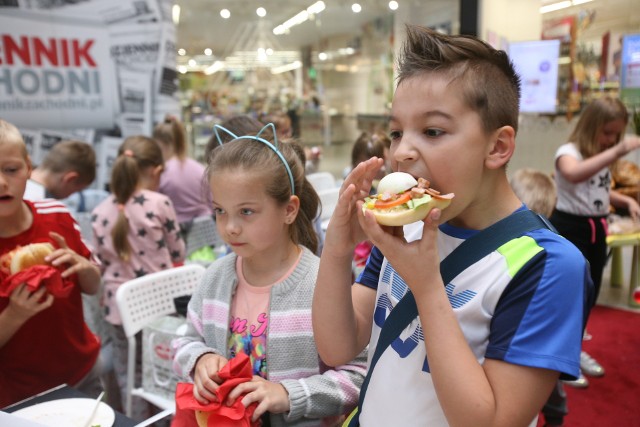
x=36 y=276
x=237 y=371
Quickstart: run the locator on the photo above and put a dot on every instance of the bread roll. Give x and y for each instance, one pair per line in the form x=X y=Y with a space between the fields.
x=27 y=256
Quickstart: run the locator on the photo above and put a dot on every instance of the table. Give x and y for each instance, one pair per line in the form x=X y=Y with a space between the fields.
x=66 y=392
x=616 y=242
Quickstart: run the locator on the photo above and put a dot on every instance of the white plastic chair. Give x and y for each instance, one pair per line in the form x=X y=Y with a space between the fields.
x=322 y=181
x=329 y=200
x=144 y=300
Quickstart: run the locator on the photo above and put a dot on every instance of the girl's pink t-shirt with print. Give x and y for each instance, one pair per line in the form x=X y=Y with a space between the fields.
x=250 y=320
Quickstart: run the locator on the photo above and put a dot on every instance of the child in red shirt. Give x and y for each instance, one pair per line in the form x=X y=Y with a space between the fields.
x=44 y=341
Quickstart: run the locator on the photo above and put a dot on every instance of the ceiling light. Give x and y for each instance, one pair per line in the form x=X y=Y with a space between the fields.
x=192 y=63
x=182 y=52
x=317 y=7
x=322 y=56
x=555 y=6
x=182 y=69
x=262 y=54
x=225 y=13
x=356 y=8
x=286 y=67
x=552 y=7
x=175 y=14
x=393 y=5
x=208 y=52
x=299 y=18
x=269 y=51
x=214 y=68
x=261 y=12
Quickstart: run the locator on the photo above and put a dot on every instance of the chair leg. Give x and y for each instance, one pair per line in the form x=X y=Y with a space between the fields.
x=131 y=365
x=617 y=275
x=634 y=280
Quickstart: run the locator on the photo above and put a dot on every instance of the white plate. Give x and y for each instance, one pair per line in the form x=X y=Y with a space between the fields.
x=68 y=413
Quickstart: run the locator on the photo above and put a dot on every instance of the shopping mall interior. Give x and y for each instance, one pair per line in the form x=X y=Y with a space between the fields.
x=100 y=71
x=342 y=79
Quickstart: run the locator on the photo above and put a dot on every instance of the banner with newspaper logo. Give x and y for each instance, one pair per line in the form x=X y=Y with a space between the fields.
x=56 y=72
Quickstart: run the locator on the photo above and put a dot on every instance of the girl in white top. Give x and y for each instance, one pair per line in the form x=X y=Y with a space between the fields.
x=583 y=181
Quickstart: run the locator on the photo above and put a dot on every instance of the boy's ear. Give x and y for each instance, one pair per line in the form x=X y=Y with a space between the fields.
x=70 y=176
x=502 y=147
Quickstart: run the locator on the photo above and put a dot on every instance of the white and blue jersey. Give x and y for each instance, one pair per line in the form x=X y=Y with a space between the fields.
x=525 y=303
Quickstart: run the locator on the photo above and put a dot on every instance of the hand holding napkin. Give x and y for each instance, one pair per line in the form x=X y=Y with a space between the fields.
x=236 y=371
x=34 y=277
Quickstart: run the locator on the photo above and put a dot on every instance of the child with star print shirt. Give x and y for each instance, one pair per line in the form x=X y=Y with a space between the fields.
x=155 y=242
x=135 y=233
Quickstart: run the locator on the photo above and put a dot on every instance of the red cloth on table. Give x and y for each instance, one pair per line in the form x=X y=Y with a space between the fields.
x=237 y=371
x=36 y=276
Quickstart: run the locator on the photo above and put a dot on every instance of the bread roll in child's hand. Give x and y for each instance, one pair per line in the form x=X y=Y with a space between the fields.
x=402 y=199
x=24 y=257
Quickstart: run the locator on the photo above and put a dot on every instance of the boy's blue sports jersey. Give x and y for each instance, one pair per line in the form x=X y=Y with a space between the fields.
x=525 y=303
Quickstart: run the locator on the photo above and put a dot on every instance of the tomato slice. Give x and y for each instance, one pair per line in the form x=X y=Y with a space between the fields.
x=401 y=199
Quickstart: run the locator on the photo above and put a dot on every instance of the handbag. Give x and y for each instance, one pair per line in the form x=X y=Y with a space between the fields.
x=466 y=254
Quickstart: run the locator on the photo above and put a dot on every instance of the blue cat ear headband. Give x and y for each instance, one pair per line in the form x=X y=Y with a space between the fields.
x=264 y=141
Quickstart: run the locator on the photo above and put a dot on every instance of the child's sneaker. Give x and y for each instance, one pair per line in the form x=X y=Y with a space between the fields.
x=590 y=366
x=580 y=382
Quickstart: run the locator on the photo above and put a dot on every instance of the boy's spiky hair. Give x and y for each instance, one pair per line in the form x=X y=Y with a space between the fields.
x=486 y=76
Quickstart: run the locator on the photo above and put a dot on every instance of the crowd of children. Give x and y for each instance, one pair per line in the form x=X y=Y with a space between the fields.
x=488 y=346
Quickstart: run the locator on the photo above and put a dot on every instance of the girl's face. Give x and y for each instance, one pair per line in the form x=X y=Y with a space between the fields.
x=247 y=218
x=610 y=133
x=14 y=173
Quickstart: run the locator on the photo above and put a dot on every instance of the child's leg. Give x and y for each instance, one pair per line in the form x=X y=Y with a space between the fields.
x=555 y=409
x=140 y=408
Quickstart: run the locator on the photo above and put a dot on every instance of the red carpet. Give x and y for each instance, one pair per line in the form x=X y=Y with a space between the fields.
x=613 y=400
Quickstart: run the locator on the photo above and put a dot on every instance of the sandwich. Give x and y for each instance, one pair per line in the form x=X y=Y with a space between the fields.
x=402 y=200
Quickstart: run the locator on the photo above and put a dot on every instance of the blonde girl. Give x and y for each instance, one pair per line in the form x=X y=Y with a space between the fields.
x=583 y=182
x=257 y=300
x=135 y=233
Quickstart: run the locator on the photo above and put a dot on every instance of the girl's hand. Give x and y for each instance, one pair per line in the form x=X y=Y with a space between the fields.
x=205 y=377
x=628 y=144
x=271 y=397
x=417 y=262
x=344 y=232
x=634 y=209
x=65 y=255
x=25 y=304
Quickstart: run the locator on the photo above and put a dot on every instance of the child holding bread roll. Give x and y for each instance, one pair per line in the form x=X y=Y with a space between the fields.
x=44 y=341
